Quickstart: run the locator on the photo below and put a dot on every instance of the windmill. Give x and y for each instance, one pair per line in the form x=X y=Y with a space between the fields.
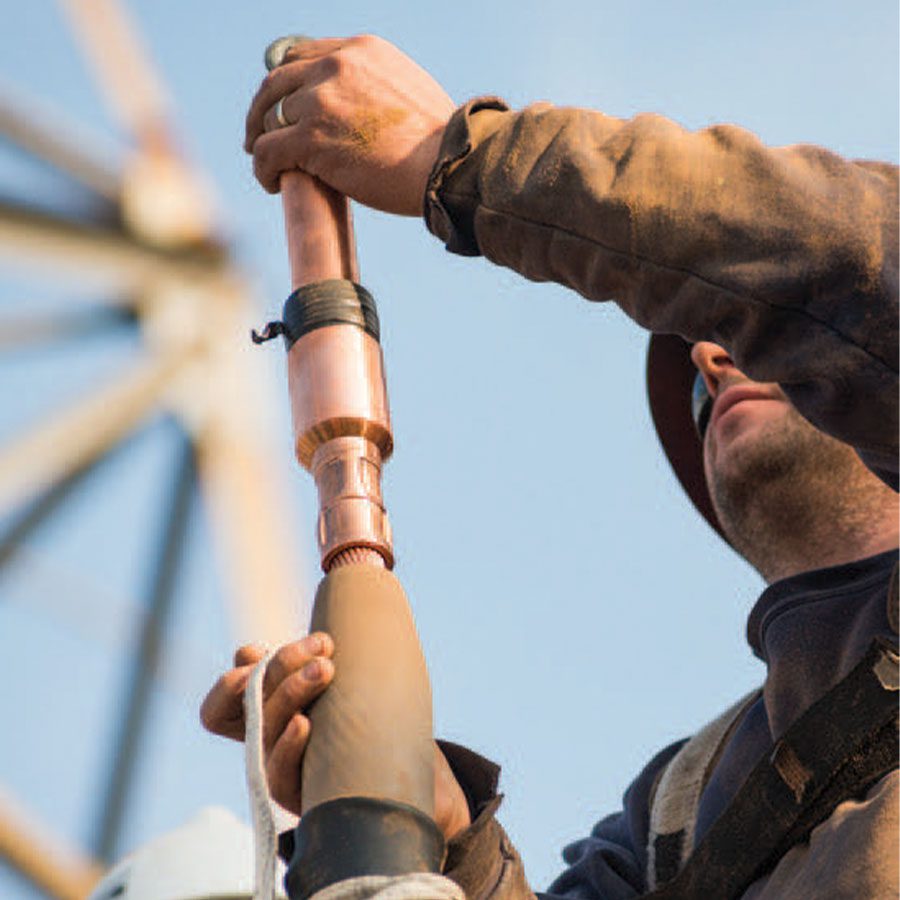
x=142 y=244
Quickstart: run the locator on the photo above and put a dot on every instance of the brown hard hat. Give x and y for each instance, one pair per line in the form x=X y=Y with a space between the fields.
x=670 y=378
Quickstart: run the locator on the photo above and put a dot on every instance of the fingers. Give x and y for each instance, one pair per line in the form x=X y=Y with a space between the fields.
x=313 y=48
x=293 y=657
x=249 y=654
x=277 y=84
x=283 y=763
x=306 y=65
x=222 y=710
x=277 y=152
x=295 y=693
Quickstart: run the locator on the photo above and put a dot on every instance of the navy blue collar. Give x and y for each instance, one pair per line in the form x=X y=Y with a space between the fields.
x=811 y=586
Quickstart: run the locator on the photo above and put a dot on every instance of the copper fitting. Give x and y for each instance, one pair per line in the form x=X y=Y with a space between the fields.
x=336 y=379
x=347 y=471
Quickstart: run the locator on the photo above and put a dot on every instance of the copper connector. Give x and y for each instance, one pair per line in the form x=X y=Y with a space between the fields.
x=336 y=379
x=342 y=427
x=351 y=511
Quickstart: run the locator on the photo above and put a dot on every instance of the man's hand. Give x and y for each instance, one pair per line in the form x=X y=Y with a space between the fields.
x=364 y=117
x=295 y=676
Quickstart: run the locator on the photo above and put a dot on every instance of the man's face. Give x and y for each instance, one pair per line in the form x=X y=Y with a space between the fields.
x=746 y=415
x=789 y=497
x=766 y=467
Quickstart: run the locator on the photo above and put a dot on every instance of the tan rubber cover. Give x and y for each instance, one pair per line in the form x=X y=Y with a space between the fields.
x=372 y=729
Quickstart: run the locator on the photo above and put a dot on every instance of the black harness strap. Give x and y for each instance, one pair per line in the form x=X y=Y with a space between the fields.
x=842 y=745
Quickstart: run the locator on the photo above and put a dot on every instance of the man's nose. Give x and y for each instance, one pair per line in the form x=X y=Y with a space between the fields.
x=714 y=363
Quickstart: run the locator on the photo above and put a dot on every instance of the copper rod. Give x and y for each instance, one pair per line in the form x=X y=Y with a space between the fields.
x=342 y=426
x=319 y=229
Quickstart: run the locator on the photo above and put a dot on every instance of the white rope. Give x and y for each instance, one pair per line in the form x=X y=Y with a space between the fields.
x=265 y=833
x=422 y=886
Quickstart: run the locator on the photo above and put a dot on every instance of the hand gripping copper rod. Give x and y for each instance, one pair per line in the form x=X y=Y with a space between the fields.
x=368 y=770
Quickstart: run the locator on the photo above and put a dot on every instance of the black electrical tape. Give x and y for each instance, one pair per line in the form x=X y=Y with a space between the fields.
x=354 y=836
x=331 y=302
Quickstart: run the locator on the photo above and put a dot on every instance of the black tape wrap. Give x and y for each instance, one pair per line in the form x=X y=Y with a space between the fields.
x=354 y=836
x=334 y=301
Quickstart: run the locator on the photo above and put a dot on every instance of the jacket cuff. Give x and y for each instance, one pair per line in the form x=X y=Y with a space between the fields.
x=481 y=859
x=452 y=218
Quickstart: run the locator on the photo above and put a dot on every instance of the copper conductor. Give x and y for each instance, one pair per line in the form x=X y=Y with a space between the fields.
x=342 y=426
x=319 y=230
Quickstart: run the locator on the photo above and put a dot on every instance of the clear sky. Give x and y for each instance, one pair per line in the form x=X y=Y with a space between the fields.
x=577 y=615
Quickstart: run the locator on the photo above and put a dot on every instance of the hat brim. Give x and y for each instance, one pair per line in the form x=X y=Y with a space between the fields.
x=670 y=379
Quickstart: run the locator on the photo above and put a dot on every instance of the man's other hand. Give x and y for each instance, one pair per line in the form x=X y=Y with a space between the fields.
x=294 y=677
x=364 y=118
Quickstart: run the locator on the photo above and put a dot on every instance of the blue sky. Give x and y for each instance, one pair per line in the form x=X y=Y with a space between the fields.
x=577 y=615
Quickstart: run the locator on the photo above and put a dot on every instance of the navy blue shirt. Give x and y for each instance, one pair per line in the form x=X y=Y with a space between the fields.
x=810 y=630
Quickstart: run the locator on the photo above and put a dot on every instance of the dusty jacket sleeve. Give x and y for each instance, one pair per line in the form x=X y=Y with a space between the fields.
x=609 y=864
x=481 y=859
x=787 y=257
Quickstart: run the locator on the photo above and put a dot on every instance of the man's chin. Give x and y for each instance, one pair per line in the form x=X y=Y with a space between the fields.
x=739 y=448
x=758 y=465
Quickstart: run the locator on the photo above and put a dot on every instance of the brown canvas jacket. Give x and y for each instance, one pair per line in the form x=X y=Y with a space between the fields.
x=787 y=257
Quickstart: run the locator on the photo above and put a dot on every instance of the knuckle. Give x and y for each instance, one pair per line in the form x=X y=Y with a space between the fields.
x=332 y=66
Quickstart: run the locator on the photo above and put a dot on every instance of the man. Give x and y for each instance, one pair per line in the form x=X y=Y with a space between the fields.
x=787 y=258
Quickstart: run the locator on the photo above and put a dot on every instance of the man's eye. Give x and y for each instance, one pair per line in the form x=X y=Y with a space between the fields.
x=701 y=405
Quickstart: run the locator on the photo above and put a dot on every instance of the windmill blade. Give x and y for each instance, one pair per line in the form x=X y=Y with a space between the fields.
x=64 y=146
x=43 y=857
x=241 y=481
x=250 y=528
x=24 y=332
x=97 y=254
x=68 y=441
x=112 y=47
x=165 y=199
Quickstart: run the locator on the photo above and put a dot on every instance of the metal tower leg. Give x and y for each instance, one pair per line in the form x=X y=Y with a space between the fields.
x=161 y=597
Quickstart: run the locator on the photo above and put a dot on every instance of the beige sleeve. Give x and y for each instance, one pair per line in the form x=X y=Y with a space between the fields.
x=852 y=855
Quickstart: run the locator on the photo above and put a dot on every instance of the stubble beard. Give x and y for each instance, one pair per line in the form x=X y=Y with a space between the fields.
x=790 y=496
